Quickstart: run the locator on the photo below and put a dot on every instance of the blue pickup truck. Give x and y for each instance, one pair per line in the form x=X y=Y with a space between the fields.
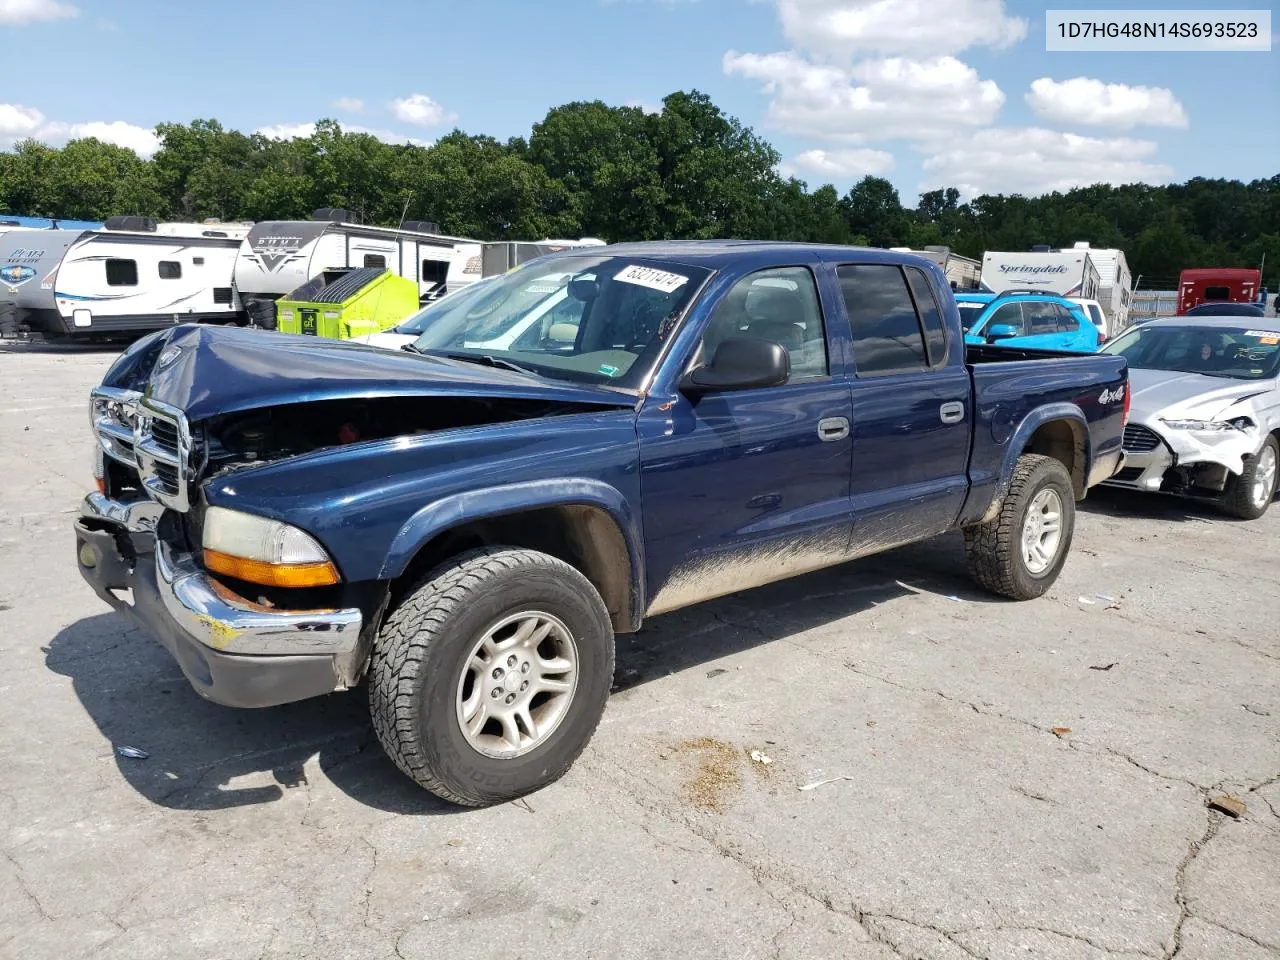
x=464 y=527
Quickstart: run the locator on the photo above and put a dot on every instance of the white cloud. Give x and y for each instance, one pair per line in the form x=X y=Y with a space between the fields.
x=20 y=123
x=349 y=105
x=1034 y=161
x=421 y=110
x=894 y=98
x=1088 y=101
x=644 y=105
x=842 y=28
x=291 y=131
x=14 y=13
x=849 y=164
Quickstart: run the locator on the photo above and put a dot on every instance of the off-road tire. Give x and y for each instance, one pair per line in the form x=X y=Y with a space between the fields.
x=1237 y=499
x=419 y=654
x=994 y=548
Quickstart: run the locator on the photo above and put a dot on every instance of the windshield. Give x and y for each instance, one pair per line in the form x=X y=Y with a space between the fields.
x=587 y=318
x=969 y=312
x=416 y=323
x=1226 y=310
x=1237 y=354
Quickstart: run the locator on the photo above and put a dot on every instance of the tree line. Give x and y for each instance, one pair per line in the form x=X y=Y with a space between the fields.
x=621 y=173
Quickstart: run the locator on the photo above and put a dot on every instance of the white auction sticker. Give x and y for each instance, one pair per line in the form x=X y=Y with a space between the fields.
x=651 y=278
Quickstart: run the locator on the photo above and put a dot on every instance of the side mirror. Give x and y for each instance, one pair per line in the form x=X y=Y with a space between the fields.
x=739 y=365
x=1001 y=331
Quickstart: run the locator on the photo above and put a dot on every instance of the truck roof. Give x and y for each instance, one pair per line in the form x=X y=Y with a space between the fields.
x=1212 y=273
x=718 y=253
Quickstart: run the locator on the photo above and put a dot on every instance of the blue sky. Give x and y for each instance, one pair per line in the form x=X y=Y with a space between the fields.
x=925 y=92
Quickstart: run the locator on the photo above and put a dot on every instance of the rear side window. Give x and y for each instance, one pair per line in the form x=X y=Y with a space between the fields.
x=122 y=273
x=886 y=331
x=935 y=334
x=1095 y=313
x=170 y=270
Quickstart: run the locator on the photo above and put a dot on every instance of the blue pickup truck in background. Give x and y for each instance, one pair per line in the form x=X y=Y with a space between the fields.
x=464 y=528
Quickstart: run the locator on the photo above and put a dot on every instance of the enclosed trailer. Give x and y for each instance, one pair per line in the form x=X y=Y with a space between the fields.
x=1115 y=283
x=133 y=276
x=278 y=256
x=1219 y=285
x=963 y=273
x=1068 y=273
x=503 y=255
x=344 y=304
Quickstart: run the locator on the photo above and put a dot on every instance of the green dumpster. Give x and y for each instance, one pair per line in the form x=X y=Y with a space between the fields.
x=343 y=304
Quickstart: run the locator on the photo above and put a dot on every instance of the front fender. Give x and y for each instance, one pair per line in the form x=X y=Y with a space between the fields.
x=448 y=512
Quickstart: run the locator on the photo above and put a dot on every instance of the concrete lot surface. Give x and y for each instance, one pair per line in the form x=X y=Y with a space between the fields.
x=1016 y=780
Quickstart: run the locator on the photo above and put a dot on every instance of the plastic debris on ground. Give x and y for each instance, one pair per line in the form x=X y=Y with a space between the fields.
x=823 y=783
x=759 y=757
x=1086 y=601
x=133 y=753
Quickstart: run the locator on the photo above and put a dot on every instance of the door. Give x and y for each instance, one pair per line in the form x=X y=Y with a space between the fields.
x=744 y=487
x=912 y=408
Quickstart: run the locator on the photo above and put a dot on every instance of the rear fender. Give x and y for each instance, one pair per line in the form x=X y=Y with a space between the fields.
x=1018 y=443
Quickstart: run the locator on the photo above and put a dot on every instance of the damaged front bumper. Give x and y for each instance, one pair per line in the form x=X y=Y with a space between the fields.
x=233 y=651
x=1162 y=459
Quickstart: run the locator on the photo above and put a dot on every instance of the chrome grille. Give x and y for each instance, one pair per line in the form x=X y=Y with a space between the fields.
x=1138 y=439
x=162 y=449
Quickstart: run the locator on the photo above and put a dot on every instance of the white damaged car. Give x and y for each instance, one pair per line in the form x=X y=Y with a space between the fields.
x=1205 y=416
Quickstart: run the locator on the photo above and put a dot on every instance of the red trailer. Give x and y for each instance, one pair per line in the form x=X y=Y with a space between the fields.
x=1218 y=285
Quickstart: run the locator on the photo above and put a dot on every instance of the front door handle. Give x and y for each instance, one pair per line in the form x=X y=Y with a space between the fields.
x=833 y=428
x=952 y=412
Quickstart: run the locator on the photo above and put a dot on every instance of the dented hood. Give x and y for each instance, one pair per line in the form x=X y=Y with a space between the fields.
x=1171 y=395
x=210 y=370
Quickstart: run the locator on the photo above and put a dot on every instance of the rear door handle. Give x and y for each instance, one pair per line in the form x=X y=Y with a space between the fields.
x=952 y=412
x=833 y=428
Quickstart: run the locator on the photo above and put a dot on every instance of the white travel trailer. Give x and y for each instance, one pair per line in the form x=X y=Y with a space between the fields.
x=1115 y=284
x=278 y=256
x=1068 y=273
x=963 y=273
x=132 y=276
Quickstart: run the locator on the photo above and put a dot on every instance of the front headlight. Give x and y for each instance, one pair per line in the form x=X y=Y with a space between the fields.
x=268 y=552
x=1202 y=426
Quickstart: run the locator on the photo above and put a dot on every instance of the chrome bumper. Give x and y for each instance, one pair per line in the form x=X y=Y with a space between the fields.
x=232 y=650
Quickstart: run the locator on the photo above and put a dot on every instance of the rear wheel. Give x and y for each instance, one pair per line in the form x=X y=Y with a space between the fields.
x=489 y=680
x=1250 y=494
x=1020 y=553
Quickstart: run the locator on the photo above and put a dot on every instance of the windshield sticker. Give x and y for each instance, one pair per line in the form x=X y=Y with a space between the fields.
x=1269 y=340
x=607 y=370
x=1264 y=334
x=653 y=279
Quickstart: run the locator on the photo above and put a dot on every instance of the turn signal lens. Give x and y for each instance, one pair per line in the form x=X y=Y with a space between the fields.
x=271 y=574
x=259 y=550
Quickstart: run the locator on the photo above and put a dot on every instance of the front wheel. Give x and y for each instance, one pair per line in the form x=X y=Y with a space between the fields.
x=1020 y=553
x=488 y=681
x=1250 y=494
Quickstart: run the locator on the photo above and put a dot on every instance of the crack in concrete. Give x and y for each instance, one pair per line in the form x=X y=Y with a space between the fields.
x=1081 y=938
x=1269 y=947
x=21 y=879
x=1180 y=879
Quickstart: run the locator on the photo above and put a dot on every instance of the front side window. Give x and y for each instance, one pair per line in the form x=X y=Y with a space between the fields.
x=122 y=273
x=1009 y=315
x=781 y=305
x=887 y=338
x=626 y=311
